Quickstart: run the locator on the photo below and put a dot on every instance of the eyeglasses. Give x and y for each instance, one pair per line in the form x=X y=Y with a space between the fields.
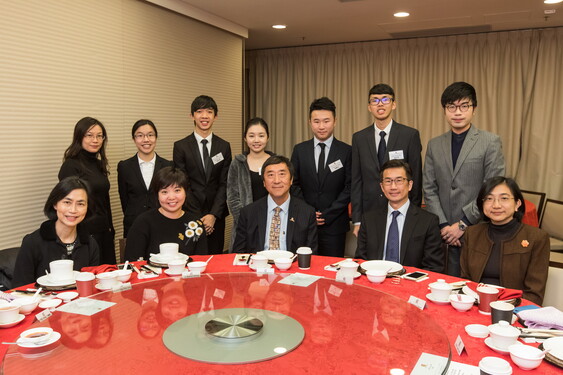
x=399 y=181
x=502 y=199
x=140 y=136
x=462 y=107
x=98 y=137
x=385 y=100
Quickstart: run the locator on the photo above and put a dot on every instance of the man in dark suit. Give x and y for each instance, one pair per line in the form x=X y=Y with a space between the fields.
x=401 y=232
x=278 y=221
x=206 y=158
x=325 y=186
x=384 y=140
x=135 y=174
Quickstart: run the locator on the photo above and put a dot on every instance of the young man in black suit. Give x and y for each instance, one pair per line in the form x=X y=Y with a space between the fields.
x=384 y=140
x=401 y=232
x=206 y=158
x=278 y=221
x=323 y=172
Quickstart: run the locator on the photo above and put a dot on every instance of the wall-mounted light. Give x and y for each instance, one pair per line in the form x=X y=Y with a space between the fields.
x=279 y=27
x=404 y=14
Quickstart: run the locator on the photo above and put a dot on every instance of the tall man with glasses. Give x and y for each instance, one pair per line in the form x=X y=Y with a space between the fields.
x=371 y=147
x=206 y=158
x=456 y=165
x=401 y=232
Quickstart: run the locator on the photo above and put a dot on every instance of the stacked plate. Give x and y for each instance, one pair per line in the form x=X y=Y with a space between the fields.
x=555 y=345
x=159 y=260
x=392 y=268
x=272 y=255
x=49 y=283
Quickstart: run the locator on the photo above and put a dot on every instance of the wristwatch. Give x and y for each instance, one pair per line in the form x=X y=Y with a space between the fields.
x=462 y=226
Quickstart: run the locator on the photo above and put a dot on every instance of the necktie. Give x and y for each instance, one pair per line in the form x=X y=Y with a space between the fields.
x=205 y=154
x=382 y=148
x=392 y=253
x=275 y=230
x=321 y=166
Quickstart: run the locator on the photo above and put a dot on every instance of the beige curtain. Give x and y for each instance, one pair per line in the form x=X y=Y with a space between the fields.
x=517 y=75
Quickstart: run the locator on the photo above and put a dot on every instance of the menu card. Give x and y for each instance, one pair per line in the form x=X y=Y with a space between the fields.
x=299 y=279
x=430 y=364
x=85 y=306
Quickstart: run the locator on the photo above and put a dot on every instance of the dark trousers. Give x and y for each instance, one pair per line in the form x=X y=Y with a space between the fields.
x=453 y=266
x=216 y=241
x=106 y=244
x=331 y=244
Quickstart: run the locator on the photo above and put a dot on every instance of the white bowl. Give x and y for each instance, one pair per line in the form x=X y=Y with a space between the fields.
x=26 y=304
x=283 y=263
x=495 y=365
x=477 y=330
x=50 y=303
x=123 y=275
x=197 y=267
x=461 y=302
x=107 y=279
x=36 y=335
x=526 y=357
x=9 y=312
x=376 y=276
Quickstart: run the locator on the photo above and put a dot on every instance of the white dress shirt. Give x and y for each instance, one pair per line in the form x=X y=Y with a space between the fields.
x=147 y=169
x=387 y=130
x=400 y=224
x=199 y=138
x=317 y=149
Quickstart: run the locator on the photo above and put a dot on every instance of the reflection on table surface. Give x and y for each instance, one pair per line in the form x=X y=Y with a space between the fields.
x=348 y=328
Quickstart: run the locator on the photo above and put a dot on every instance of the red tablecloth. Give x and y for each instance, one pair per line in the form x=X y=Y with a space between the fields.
x=450 y=320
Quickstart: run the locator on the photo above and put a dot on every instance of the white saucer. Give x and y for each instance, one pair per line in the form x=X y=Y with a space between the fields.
x=489 y=343
x=167 y=271
x=99 y=287
x=253 y=267
x=45 y=280
x=67 y=296
x=437 y=301
x=50 y=303
x=55 y=336
x=156 y=258
x=13 y=323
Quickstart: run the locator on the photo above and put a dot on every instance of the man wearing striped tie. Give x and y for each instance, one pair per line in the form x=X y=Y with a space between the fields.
x=401 y=232
x=277 y=221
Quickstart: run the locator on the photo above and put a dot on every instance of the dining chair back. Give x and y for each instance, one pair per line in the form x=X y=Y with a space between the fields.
x=551 y=223
x=536 y=197
x=7 y=264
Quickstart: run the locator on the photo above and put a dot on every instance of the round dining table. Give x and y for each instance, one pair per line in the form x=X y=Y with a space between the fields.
x=359 y=328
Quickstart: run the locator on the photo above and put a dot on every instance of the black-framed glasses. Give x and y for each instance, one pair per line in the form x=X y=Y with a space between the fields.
x=464 y=107
x=385 y=100
x=399 y=181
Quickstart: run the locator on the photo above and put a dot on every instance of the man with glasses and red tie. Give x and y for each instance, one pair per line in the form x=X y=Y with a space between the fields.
x=400 y=232
x=456 y=165
x=371 y=147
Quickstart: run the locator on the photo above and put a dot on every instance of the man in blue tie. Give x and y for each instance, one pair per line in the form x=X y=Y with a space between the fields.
x=401 y=232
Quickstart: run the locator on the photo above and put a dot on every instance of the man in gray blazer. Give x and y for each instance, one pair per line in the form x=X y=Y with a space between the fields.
x=384 y=140
x=456 y=165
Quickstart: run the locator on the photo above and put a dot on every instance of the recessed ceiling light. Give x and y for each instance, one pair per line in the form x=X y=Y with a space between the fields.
x=279 y=27
x=406 y=14
x=552 y=1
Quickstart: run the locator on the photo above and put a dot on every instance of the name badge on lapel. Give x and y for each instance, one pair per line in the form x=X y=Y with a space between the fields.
x=334 y=166
x=396 y=155
x=217 y=158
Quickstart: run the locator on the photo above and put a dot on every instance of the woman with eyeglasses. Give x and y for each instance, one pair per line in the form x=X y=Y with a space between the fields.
x=502 y=250
x=61 y=237
x=135 y=174
x=86 y=158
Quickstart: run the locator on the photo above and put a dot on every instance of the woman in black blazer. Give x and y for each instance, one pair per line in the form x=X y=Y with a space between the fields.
x=86 y=159
x=134 y=175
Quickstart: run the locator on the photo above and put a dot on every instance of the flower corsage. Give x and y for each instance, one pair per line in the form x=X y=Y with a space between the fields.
x=194 y=229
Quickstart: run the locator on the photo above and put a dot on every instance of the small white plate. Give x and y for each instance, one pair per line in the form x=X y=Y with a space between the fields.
x=489 y=343
x=167 y=271
x=384 y=265
x=165 y=259
x=99 y=287
x=45 y=280
x=555 y=345
x=253 y=267
x=438 y=301
x=55 y=336
x=50 y=303
x=13 y=323
x=67 y=296
x=477 y=330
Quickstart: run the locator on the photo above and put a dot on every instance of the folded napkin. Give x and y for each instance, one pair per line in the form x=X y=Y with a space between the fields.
x=99 y=269
x=504 y=293
x=544 y=318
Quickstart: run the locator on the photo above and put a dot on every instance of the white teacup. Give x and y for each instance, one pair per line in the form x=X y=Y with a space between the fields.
x=259 y=261
x=440 y=290
x=176 y=267
x=107 y=279
x=283 y=263
x=348 y=268
x=169 y=249
x=197 y=267
x=9 y=313
x=61 y=269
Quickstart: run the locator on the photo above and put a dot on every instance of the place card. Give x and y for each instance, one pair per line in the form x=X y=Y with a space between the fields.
x=265 y=270
x=459 y=345
x=420 y=303
x=299 y=279
x=241 y=260
x=190 y=274
x=43 y=315
x=121 y=287
x=85 y=306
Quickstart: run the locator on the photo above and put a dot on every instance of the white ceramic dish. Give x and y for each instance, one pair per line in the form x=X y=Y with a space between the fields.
x=67 y=296
x=555 y=345
x=437 y=301
x=525 y=356
x=461 y=302
x=477 y=330
x=385 y=265
x=163 y=259
x=99 y=287
x=55 y=336
x=489 y=343
x=27 y=304
x=45 y=280
x=123 y=275
x=253 y=267
x=35 y=336
x=14 y=322
x=50 y=303
x=272 y=255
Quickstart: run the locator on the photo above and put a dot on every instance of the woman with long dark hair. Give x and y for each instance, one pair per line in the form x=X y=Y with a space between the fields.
x=86 y=158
